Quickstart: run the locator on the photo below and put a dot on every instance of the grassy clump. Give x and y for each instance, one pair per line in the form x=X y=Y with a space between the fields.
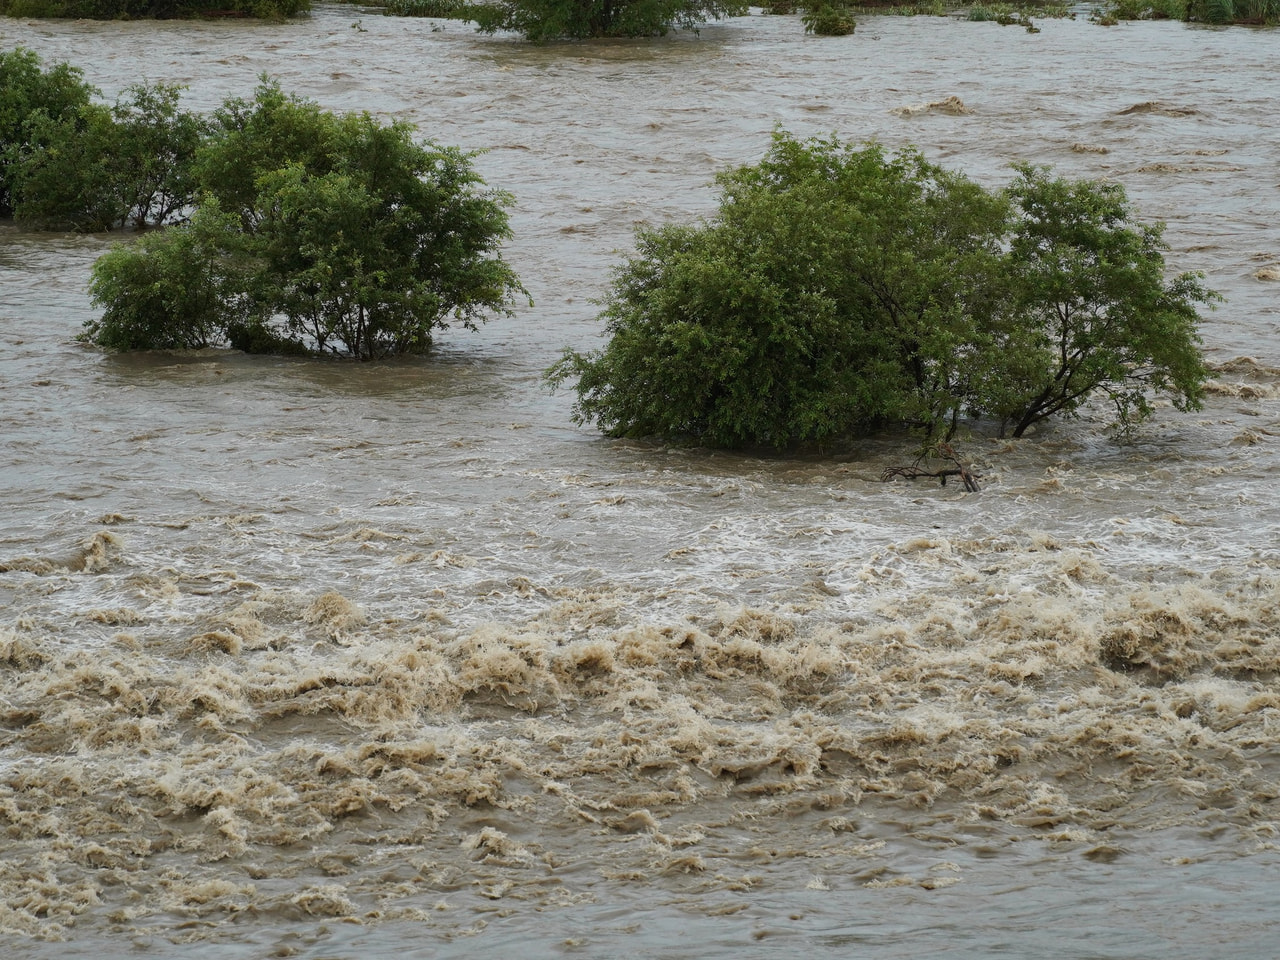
x=1015 y=13
x=828 y=20
x=1259 y=12
x=1004 y=14
x=887 y=8
x=1147 y=10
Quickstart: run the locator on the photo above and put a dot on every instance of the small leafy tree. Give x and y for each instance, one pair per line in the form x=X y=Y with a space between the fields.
x=67 y=175
x=838 y=289
x=30 y=95
x=544 y=20
x=98 y=168
x=252 y=138
x=323 y=233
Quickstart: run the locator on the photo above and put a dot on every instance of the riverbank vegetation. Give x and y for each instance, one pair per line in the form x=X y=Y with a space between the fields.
x=541 y=21
x=840 y=289
x=153 y=9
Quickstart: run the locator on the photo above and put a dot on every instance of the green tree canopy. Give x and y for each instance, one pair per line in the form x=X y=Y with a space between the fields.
x=95 y=168
x=316 y=232
x=1094 y=313
x=840 y=288
x=544 y=20
x=32 y=96
x=179 y=288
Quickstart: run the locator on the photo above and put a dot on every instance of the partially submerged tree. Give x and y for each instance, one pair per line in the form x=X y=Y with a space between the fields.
x=543 y=20
x=839 y=288
x=65 y=176
x=179 y=288
x=31 y=95
x=97 y=168
x=157 y=142
x=315 y=233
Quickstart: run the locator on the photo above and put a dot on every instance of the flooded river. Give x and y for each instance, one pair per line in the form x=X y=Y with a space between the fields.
x=304 y=659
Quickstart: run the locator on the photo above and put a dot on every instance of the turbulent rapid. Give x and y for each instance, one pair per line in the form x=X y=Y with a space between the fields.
x=337 y=660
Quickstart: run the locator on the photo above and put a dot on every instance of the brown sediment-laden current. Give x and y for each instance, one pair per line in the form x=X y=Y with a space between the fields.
x=330 y=660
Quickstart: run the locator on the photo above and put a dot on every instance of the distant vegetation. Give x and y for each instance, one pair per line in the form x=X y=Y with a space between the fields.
x=839 y=290
x=540 y=20
x=1245 y=12
x=547 y=20
x=153 y=9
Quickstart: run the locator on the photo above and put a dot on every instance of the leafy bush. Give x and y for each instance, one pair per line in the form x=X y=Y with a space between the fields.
x=315 y=233
x=156 y=146
x=65 y=177
x=251 y=138
x=828 y=20
x=838 y=289
x=544 y=20
x=178 y=288
x=31 y=96
x=1092 y=312
x=98 y=169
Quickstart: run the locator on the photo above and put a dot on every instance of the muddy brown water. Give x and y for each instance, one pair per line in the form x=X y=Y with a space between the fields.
x=322 y=660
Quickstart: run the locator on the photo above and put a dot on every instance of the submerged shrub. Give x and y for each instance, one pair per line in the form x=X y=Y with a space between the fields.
x=182 y=287
x=316 y=232
x=544 y=20
x=157 y=144
x=838 y=289
x=32 y=96
x=828 y=20
x=65 y=176
x=99 y=168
